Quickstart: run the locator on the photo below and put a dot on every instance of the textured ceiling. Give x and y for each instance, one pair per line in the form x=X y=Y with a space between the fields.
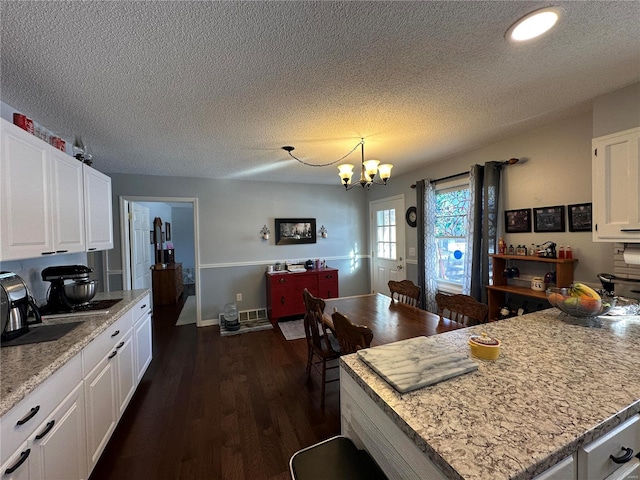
x=214 y=89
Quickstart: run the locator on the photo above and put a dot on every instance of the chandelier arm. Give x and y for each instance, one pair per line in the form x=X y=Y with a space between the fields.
x=361 y=142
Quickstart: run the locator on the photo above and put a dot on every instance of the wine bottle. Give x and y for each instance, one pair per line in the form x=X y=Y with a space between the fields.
x=505 y=312
x=523 y=308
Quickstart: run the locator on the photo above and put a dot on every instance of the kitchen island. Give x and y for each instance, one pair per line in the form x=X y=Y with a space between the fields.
x=25 y=367
x=557 y=386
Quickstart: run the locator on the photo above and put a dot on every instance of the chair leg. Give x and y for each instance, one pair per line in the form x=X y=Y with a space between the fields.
x=324 y=378
x=309 y=360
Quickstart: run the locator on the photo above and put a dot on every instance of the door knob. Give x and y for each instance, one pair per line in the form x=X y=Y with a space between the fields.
x=399 y=267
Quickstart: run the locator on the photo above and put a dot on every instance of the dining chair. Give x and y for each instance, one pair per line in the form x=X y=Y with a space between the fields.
x=405 y=292
x=463 y=309
x=321 y=343
x=351 y=337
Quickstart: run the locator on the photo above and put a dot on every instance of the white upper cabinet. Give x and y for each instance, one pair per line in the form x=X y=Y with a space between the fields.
x=616 y=187
x=67 y=203
x=25 y=196
x=50 y=203
x=98 y=212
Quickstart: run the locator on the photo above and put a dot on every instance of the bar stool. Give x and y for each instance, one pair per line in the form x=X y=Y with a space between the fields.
x=336 y=458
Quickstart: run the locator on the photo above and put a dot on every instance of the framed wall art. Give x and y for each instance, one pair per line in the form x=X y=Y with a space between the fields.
x=293 y=231
x=548 y=219
x=579 y=217
x=517 y=221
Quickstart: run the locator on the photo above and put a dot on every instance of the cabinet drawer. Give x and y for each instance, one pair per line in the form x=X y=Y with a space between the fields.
x=282 y=280
x=141 y=308
x=593 y=459
x=100 y=346
x=45 y=398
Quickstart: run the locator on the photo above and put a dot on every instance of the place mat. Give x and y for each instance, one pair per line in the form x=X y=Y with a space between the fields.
x=415 y=363
x=44 y=333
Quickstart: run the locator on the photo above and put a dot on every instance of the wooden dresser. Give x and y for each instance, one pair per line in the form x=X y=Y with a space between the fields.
x=284 y=290
x=167 y=284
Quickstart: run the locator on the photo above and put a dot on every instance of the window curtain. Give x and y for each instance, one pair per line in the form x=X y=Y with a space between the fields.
x=484 y=190
x=427 y=247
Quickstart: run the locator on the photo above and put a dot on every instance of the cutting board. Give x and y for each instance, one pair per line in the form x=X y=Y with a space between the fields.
x=415 y=363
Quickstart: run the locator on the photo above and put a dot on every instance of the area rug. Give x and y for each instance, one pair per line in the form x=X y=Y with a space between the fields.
x=293 y=329
x=188 y=313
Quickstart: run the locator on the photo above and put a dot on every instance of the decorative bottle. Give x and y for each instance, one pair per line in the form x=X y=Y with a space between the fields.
x=568 y=253
x=561 y=252
x=502 y=247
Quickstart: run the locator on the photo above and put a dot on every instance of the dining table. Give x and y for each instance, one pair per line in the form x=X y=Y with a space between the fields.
x=389 y=320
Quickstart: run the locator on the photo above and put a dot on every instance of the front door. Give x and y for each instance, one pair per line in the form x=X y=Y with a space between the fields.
x=387 y=242
x=140 y=246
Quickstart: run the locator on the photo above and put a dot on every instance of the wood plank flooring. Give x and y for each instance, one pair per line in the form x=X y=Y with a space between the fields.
x=212 y=407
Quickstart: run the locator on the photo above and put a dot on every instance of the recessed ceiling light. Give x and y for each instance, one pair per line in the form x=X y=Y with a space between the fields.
x=534 y=24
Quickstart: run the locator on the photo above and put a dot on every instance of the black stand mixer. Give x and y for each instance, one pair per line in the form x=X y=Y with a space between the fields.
x=70 y=288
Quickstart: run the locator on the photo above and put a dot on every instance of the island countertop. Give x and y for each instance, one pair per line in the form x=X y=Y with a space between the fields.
x=24 y=367
x=556 y=386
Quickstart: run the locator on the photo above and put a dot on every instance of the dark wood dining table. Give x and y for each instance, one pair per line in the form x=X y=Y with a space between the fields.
x=389 y=322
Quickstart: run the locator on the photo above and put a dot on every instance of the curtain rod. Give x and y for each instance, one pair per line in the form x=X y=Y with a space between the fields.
x=511 y=161
x=461 y=174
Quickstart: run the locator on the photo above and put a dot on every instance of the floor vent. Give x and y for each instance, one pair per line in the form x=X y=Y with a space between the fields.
x=250 y=321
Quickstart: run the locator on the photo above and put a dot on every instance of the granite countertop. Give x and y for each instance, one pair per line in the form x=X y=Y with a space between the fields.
x=23 y=368
x=556 y=386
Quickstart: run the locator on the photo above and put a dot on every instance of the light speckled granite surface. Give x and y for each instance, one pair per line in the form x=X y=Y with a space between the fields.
x=23 y=368
x=556 y=386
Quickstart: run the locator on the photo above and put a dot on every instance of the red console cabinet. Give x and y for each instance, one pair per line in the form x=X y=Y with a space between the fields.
x=284 y=290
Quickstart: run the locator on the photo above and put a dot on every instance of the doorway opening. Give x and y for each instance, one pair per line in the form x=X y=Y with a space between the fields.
x=180 y=224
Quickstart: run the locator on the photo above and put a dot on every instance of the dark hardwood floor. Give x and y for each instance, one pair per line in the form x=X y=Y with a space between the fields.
x=212 y=407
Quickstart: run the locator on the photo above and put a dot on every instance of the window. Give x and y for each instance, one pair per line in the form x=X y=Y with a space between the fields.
x=386 y=234
x=452 y=205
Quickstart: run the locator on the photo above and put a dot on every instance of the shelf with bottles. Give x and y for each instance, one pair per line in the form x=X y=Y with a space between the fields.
x=501 y=285
x=520 y=307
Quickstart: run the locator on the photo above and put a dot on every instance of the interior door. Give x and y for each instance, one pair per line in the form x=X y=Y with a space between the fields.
x=387 y=243
x=140 y=227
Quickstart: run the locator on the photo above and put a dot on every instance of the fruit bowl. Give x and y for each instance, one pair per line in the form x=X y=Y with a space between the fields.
x=581 y=305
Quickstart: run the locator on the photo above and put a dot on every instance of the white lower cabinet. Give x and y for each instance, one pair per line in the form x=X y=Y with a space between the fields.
x=59 y=430
x=58 y=448
x=565 y=470
x=143 y=337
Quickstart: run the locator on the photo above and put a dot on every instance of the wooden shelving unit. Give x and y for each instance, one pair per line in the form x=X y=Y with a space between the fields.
x=497 y=292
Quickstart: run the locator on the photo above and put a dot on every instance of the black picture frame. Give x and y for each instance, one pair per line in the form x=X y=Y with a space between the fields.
x=549 y=219
x=517 y=221
x=167 y=229
x=580 y=217
x=294 y=231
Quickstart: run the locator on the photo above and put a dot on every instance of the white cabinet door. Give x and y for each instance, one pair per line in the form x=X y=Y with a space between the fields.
x=98 y=211
x=616 y=187
x=67 y=203
x=100 y=401
x=58 y=447
x=144 y=345
x=126 y=374
x=18 y=466
x=25 y=196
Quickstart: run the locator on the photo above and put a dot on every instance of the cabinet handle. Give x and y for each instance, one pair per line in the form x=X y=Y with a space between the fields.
x=119 y=345
x=29 y=415
x=46 y=430
x=113 y=354
x=62 y=251
x=143 y=306
x=23 y=456
x=282 y=300
x=115 y=334
x=282 y=280
x=48 y=253
x=92 y=249
x=630 y=229
x=624 y=458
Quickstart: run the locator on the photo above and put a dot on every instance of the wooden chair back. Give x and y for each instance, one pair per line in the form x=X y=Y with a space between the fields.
x=314 y=307
x=405 y=291
x=461 y=308
x=350 y=336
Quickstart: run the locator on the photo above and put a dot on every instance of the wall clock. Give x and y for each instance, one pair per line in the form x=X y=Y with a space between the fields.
x=411 y=216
